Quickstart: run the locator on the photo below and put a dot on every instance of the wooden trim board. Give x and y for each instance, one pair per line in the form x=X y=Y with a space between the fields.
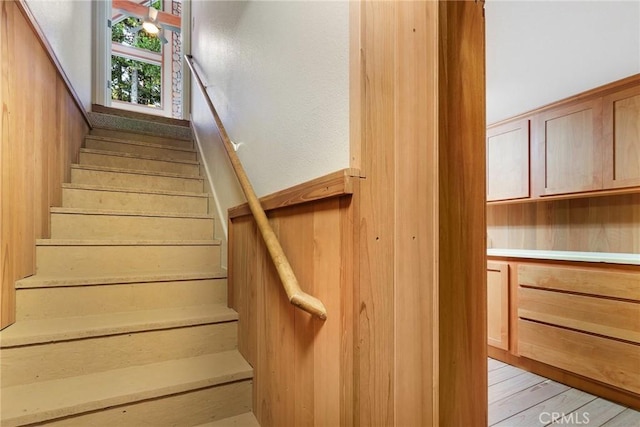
x=335 y=184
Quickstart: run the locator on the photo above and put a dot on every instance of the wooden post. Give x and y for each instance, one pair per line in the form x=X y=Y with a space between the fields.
x=418 y=68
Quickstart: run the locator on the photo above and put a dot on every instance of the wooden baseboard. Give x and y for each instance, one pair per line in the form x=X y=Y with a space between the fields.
x=588 y=385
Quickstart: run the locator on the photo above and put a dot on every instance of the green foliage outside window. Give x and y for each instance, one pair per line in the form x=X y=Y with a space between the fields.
x=132 y=80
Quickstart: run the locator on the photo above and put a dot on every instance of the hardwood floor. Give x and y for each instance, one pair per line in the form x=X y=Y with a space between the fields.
x=518 y=398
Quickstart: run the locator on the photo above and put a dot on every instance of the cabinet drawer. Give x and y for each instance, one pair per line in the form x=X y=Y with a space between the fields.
x=602 y=316
x=610 y=361
x=598 y=282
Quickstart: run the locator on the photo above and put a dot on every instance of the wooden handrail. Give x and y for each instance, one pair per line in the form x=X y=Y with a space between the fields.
x=296 y=296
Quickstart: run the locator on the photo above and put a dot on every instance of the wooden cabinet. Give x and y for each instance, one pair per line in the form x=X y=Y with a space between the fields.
x=621 y=122
x=582 y=320
x=569 y=148
x=585 y=145
x=498 y=304
x=508 y=161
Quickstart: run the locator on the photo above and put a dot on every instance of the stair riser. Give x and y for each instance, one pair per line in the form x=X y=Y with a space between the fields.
x=114 y=200
x=30 y=364
x=138 y=164
x=132 y=180
x=83 y=261
x=158 y=152
x=111 y=227
x=197 y=407
x=72 y=301
x=141 y=137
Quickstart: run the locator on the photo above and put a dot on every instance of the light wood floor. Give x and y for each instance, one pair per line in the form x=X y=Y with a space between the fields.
x=519 y=398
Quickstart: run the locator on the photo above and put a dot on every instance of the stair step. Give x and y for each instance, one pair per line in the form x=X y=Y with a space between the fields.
x=48 y=400
x=82 y=258
x=58 y=298
x=39 y=331
x=143 y=137
x=137 y=147
x=62 y=359
x=243 y=420
x=114 y=198
x=42 y=281
x=73 y=223
x=115 y=159
x=128 y=178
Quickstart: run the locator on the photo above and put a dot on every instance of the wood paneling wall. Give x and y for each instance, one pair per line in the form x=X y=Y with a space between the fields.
x=591 y=224
x=401 y=263
x=42 y=130
x=421 y=291
x=303 y=367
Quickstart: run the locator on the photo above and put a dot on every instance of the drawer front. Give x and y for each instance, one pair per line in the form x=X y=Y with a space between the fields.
x=597 y=282
x=610 y=361
x=609 y=318
x=586 y=321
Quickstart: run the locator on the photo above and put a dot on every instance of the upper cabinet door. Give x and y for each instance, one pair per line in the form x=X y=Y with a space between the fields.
x=568 y=156
x=508 y=161
x=621 y=122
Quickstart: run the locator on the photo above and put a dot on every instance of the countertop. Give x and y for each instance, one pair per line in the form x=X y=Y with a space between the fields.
x=604 y=257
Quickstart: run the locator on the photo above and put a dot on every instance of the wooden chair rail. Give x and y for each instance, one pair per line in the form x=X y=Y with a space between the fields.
x=296 y=295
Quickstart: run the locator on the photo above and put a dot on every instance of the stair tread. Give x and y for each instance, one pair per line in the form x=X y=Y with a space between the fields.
x=39 y=331
x=136 y=156
x=82 y=211
x=44 y=281
x=136 y=171
x=243 y=420
x=139 y=143
x=64 y=397
x=133 y=190
x=75 y=242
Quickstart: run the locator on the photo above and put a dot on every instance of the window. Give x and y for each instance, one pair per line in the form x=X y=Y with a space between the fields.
x=136 y=63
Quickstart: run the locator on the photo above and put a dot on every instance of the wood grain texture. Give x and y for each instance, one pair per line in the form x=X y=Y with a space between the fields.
x=416 y=215
x=421 y=214
x=462 y=223
x=42 y=130
x=375 y=352
x=606 y=360
x=621 y=122
x=587 y=145
x=597 y=224
x=303 y=366
x=568 y=148
x=498 y=304
x=604 y=282
x=335 y=184
x=508 y=161
x=615 y=319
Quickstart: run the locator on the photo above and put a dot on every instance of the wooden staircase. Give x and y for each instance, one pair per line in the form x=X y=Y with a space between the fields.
x=125 y=322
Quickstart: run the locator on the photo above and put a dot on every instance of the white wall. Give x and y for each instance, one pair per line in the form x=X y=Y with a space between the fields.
x=278 y=75
x=67 y=25
x=539 y=52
